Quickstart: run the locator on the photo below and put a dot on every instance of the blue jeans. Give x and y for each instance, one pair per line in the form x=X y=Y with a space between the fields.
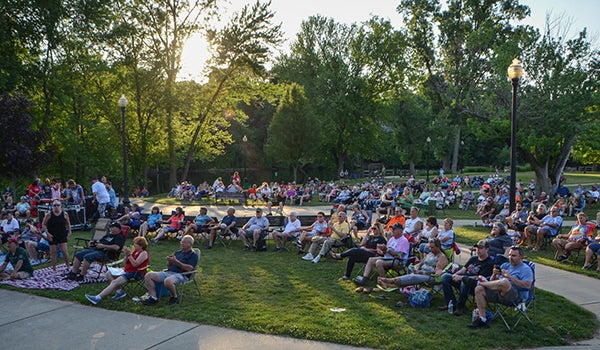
x=465 y=287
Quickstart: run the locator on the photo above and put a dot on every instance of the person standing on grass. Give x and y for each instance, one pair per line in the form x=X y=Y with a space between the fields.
x=56 y=228
x=136 y=263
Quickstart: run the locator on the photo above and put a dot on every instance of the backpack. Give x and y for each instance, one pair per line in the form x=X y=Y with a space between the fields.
x=261 y=244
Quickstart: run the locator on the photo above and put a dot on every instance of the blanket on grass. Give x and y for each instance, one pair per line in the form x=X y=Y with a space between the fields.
x=47 y=278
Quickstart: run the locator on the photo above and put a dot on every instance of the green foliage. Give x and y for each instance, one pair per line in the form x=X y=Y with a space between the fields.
x=291 y=140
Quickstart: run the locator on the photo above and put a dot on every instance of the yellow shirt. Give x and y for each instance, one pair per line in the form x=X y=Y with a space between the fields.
x=343 y=229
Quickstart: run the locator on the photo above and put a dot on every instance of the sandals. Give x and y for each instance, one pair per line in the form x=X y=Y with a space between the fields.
x=363 y=290
x=587 y=267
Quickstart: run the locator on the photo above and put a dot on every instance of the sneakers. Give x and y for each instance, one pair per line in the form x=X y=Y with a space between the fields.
x=120 y=294
x=71 y=276
x=246 y=247
x=308 y=257
x=459 y=312
x=298 y=244
x=94 y=299
x=174 y=300
x=140 y=299
x=277 y=249
x=79 y=278
x=478 y=323
x=562 y=258
x=316 y=259
x=150 y=301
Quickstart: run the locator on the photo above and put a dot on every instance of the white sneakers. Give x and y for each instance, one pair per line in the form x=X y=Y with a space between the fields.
x=308 y=256
x=316 y=260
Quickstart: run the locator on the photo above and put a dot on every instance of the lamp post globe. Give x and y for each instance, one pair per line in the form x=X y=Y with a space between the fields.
x=245 y=141
x=515 y=72
x=123 y=105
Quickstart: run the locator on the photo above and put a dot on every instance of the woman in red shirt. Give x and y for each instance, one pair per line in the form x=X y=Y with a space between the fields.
x=173 y=225
x=136 y=263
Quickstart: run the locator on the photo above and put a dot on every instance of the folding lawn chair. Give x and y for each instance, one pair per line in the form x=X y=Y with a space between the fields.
x=512 y=314
x=191 y=278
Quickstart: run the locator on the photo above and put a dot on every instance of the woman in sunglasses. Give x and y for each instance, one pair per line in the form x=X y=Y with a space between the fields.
x=368 y=249
x=56 y=229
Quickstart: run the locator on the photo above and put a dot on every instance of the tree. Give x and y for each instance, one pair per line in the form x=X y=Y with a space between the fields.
x=241 y=49
x=457 y=52
x=22 y=154
x=291 y=141
x=558 y=93
x=170 y=23
x=323 y=62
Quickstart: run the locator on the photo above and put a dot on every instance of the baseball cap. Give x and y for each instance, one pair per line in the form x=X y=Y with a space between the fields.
x=482 y=244
x=14 y=240
x=397 y=225
x=115 y=224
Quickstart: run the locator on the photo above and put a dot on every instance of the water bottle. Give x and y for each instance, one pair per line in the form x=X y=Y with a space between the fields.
x=450 y=307
x=474 y=315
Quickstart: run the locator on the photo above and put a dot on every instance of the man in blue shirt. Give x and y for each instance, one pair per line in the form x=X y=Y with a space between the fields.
x=509 y=284
x=254 y=228
x=550 y=225
x=184 y=260
x=226 y=227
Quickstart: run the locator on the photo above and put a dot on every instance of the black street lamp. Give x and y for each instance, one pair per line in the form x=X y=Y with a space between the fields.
x=123 y=104
x=427 y=158
x=245 y=140
x=515 y=71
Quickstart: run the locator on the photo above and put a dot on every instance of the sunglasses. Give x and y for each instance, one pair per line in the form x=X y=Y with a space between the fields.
x=56 y=205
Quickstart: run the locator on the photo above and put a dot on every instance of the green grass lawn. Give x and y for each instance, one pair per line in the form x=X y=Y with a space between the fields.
x=278 y=293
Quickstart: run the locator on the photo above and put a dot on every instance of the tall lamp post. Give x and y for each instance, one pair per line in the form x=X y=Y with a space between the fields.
x=123 y=104
x=515 y=71
x=245 y=140
x=427 y=158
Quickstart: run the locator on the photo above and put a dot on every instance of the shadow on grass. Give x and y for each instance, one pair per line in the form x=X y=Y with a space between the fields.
x=279 y=293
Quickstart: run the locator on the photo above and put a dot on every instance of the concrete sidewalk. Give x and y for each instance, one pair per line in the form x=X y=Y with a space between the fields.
x=32 y=322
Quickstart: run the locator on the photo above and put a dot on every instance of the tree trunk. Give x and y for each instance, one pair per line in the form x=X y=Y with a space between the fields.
x=295 y=173
x=411 y=167
x=456 y=151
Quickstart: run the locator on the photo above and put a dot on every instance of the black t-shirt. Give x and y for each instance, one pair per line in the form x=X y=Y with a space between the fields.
x=476 y=267
x=374 y=241
x=111 y=239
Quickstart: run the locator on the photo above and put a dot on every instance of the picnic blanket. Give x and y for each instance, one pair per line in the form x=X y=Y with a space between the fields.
x=47 y=278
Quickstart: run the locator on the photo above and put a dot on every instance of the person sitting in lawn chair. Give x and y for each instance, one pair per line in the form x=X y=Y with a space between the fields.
x=291 y=230
x=508 y=284
x=255 y=227
x=393 y=254
x=184 y=260
x=577 y=239
x=339 y=230
x=107 y=248
x=201 y=223
x=227 y=227
x=136 y=263
x=319 y=227
x=173 y=225
x=424 y=272
x=465 y=279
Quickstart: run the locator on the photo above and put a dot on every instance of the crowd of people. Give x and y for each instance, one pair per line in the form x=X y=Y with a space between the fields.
x=375 y=223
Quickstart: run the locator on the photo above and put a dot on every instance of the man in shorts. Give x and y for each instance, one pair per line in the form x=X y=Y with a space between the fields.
x=107 y=248
x=227 y=227
x=291 y=231
x=184 y=260
x=509 y=284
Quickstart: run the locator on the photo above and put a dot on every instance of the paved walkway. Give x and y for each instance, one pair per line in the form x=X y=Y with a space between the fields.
x=32 y=322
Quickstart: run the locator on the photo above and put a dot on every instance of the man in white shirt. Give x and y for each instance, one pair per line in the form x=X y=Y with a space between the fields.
x=291 y=230
x=101 y=195
x=8 y=226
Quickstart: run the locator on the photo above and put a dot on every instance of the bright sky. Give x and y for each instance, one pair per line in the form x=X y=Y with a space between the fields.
x=291 y=13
